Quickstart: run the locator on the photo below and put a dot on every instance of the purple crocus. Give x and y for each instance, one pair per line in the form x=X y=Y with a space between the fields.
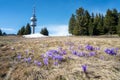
x=49 y=54
x=92 y=54
x=53 y=51
x=89 y=47
x=63 y=52
x=79 y=47
x=84 y=68
x=74 y=52
x=42 y=55
x=111 y=51
x=27 y=51
x=97 y=48
x=19 y=57
x=102 y=57
x=81 y=54
x=55 y=63
x=45 y=60
x=71 y=48
x=29 y=59
x=39 y=63
x=58 y=57
x=35 y=61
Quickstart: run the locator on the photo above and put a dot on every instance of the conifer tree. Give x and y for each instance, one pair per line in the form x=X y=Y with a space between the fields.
x=44 y=31
x=118 y=27
x=28 y=29
x=72 y=24
x=0 y=32
x=90 y=27
x=22 y=31
x=4 y=34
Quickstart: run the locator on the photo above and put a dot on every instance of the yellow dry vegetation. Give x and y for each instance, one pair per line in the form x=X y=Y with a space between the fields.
x=99 y=67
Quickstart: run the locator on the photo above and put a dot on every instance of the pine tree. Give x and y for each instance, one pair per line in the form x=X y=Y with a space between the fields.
x=28 y=29
x=111 y=21
x=76 y=31
x=44 y=31
x=118 y=27
x=87 y=19
x=0 y=32
x=80 y=22
x=22 y=31
x=4 y=34
x=72 y=24
x=100 y=27
x=90 y=27
x=115 y=21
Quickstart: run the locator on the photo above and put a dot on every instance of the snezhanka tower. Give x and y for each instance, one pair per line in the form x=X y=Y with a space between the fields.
x=33 y=20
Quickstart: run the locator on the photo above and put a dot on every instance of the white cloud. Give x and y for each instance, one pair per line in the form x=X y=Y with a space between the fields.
x=56 y=30
x=7 y=29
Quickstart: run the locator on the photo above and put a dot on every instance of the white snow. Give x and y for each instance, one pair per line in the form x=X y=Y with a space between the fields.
x=37 y=35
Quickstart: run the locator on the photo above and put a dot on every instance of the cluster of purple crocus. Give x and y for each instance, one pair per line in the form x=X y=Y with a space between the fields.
x=57 y=55
x=91 y=51
x=89 y=47
x=79 y=54
x=111 y=51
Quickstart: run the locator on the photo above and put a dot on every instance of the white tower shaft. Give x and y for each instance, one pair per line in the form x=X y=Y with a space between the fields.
x=33 y=21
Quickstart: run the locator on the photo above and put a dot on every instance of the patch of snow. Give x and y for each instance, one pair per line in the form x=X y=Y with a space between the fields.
x=37 y=35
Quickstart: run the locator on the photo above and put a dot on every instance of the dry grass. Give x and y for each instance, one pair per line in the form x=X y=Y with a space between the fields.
x=107 y=68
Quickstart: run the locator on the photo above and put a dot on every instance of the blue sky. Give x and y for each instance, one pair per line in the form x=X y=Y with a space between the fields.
x=53 y=14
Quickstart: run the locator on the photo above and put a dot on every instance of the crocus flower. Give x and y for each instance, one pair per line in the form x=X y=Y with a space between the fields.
x=25 y=59
x=27 y=51
x=102 y=57
x=97 y=48
x=39 y=63
x=71 y=48
x=35 y=62
x=29 y=59
x=58 y=57
x=63 y=52
x=42 y=55
x=84 y=68
x=45 y=60
x=55 y=63
x=74 y=52
x=89 y=47
x=92 y=54
x=111 y=51
x=19 y=57
x=81 y=54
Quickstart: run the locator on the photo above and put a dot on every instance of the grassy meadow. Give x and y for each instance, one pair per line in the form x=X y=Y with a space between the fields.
x=59 y=58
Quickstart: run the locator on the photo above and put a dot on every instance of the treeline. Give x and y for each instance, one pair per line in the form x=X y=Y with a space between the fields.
x=84 y=23
x=25 y=30
x=2 y=33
